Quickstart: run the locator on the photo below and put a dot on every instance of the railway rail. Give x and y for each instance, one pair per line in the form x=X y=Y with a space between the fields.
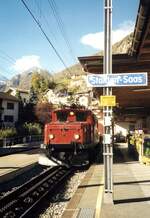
x=21 y=202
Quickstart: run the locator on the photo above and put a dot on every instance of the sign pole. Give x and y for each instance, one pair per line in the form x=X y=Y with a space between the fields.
x=107 y=91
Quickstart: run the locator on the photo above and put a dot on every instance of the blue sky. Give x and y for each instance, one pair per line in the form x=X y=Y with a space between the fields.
x=22 y=41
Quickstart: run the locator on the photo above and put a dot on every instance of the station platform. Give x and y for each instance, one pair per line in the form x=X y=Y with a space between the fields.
x=87 y=200
x=15 y=164
x=130 y=198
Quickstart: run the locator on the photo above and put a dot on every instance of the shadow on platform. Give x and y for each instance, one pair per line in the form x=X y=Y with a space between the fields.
x=9 y=167
x=131 y=200
x=88 y=186
x=131 y=182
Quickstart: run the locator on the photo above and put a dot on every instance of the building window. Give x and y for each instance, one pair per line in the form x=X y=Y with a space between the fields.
x=8 y=118
x=10 y=106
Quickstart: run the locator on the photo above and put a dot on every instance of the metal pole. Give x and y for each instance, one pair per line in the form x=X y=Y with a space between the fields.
x=107 y=69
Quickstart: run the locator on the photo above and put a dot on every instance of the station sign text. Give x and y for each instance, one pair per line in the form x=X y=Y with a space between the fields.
x=116 y=80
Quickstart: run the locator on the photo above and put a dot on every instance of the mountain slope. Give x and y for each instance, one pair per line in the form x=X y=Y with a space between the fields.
x=23 y=80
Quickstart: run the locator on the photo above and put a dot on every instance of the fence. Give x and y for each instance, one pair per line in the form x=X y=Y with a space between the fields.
x=20 y=140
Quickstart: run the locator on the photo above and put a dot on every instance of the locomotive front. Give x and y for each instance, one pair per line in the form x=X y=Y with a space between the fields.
x=69 y=135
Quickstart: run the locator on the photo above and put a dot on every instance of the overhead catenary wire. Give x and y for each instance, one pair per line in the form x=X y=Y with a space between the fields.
x=3 y=70
x=7 y=57
x=4 y=56
x=38 y=3
x=46 y=21
x=61 y=26
x=45 y=35
x=42 y=15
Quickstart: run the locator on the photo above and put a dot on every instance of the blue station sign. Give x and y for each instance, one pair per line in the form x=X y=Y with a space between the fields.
x=116 y=80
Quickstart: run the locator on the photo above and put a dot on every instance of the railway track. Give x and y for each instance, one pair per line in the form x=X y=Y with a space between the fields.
x=24 y=199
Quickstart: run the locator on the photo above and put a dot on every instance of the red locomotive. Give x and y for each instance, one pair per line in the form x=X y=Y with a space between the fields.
x=70 y=137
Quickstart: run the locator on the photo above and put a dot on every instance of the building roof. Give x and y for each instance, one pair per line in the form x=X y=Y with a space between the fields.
x=6 y=96
x=141 y=37
x=20 y=90
x=122 y=63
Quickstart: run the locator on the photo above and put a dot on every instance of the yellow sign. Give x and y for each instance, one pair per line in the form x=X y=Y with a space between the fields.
x=108 y=100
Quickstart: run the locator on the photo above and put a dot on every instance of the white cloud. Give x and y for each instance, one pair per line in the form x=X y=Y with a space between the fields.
x=96 y=40
x=26 y=62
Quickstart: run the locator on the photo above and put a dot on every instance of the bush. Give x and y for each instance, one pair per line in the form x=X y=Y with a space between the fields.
x=32 y=129
x=42 y=111
x=7 y=133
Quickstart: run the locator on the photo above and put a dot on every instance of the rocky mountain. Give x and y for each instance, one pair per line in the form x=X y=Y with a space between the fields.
x=122 y=46
x=74 y=70
x=23 y=80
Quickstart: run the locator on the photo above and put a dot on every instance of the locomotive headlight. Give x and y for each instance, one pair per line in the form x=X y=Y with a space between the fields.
x=76 y=136
x=51 y=136
x=71 y=113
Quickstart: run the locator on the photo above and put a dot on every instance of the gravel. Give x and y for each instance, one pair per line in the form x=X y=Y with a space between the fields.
x=59 y=201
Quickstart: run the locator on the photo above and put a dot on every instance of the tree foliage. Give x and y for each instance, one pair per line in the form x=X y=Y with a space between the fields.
x=32 y=128
x=39 y=85
x=33 y=98
x=18 y=95
x=26 y=113
x=7 y=133
x=42 y=111
x=63 y=85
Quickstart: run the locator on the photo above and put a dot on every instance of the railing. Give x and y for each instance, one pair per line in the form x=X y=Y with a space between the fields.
x=20 y=140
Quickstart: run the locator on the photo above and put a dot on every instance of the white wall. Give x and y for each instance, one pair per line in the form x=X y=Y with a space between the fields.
x=122 y=127
x=12 y=112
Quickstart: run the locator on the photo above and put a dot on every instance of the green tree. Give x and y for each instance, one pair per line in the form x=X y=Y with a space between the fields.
x=62 y=86
x=39 y=85
x=33 y=97
x=18 y=95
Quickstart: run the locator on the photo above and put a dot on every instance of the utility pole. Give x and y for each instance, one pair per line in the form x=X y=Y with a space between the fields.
x=107 y=91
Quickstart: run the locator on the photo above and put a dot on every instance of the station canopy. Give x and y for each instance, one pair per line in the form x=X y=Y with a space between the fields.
x=136 y=60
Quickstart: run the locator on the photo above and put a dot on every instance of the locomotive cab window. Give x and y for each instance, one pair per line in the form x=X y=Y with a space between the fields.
x=62 y=116
x=81 y=116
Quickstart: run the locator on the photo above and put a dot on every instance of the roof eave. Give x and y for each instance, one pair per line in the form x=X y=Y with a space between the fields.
x=139 y=30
